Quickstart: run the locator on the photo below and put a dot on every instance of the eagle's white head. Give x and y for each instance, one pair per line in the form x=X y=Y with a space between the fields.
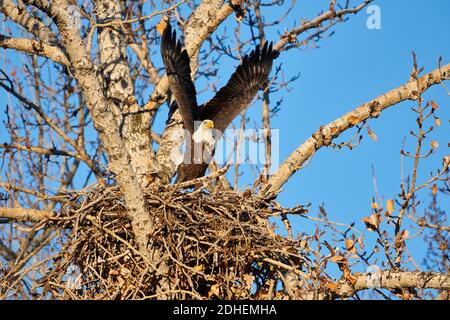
x=204 y=133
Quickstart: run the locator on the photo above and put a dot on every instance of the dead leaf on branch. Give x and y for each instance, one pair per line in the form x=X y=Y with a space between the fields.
x=434 y=105
x=360 y=242
x=390 y=206
x=400 y=238
x=434 y=144
x=434 y=189
x=373 y=221
x=350 y=245
x=438 y=122
x=214 y=291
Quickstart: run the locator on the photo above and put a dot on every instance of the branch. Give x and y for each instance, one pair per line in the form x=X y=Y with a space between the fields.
x=372 y=109
x=119 y=88
x=25 y=215
x=203 y=180
x=8 y=186
x=32 y=24
x=52 y=124
x=40 y=150
x=34 y=47
x=102 y=114
x=393 y=280
x=330 y=15
x=119 y=22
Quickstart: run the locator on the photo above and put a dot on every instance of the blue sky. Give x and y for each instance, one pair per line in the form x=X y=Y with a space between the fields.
x=353 y=66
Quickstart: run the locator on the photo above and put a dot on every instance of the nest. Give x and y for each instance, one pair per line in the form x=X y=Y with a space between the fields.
x=205 y=246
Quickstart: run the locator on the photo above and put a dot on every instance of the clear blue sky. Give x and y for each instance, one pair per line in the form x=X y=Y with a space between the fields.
x=352 y=67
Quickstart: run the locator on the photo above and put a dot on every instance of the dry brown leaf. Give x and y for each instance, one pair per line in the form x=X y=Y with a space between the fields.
x=434 y=189
x=390 y=206
x=360 y=242
x=434 y=144
x=443 y=245
x=373 y=221
x=438 y=122
x=350 y=245
x=446 y=161
x=333 y=286
x=434 y=105
x=400 y=238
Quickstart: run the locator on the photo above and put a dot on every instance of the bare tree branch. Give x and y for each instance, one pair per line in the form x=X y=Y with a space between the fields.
x=19 y=14
x=389 y=279
x=36 y=47
x=23 y=214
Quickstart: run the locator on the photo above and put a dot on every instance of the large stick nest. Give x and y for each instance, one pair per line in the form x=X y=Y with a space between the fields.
x=204 y=245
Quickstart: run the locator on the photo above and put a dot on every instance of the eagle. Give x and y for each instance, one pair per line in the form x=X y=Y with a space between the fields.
x=220 y=111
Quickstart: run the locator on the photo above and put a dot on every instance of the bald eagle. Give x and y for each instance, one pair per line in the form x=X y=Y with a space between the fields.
x=220 y=111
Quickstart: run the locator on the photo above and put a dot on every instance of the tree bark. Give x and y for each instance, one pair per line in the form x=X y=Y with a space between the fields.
x=119 y=90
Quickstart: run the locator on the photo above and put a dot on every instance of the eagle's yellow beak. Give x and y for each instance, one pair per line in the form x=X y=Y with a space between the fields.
x=208 y=124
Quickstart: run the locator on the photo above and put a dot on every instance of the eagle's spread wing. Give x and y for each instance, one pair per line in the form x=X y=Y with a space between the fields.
x=176 y=63
x=233 y=99
x=242 y=87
